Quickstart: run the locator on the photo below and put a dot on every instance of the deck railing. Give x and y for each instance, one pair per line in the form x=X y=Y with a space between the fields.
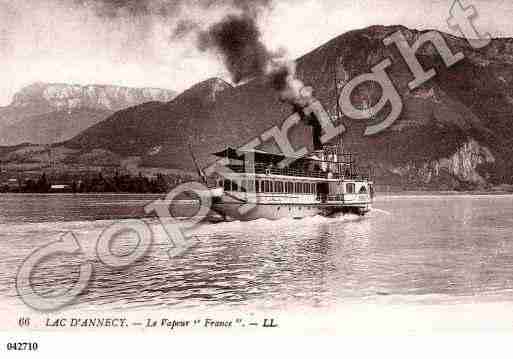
x=353 y=174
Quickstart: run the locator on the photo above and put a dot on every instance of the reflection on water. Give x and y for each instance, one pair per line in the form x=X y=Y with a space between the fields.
x=445 y=246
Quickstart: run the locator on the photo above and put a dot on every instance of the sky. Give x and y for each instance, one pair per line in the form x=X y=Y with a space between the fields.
x=136 y=43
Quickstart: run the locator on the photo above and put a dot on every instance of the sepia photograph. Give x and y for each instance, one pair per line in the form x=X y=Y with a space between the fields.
x=255 y=169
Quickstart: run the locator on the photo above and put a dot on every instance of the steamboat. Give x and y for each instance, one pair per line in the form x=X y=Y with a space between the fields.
x=327 y=182
x=261 y=184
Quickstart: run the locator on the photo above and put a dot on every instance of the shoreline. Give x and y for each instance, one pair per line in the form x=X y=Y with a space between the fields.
x=443 y=193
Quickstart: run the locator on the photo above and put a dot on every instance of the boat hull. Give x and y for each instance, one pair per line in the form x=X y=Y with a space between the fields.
x=279 y=211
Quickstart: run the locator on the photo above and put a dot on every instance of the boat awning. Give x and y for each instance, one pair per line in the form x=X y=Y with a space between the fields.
x=259 y=156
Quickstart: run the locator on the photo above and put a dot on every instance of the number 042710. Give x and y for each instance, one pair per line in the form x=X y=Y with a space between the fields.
x=22 y=346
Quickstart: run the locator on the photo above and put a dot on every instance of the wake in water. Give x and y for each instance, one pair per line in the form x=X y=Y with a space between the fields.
x=256 y=225
x=381 y=211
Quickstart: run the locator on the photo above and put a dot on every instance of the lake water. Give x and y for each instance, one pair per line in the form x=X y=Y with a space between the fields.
x=412 y=248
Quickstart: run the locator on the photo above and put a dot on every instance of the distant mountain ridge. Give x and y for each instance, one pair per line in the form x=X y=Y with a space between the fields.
x=53 y=112
x=102 y=97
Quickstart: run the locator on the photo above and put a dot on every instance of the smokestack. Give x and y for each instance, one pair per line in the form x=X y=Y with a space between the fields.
x=312 y=121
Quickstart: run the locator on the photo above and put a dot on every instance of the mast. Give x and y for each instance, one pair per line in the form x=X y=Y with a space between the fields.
x=340 y=145
x=339 y=111
x=201 y=174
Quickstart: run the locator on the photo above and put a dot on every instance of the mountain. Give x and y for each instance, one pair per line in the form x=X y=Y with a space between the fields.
x=159 y=133
x=453 y=133
x=47 y=113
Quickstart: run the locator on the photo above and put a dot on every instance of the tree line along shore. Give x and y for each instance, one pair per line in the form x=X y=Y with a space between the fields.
x=95 y=183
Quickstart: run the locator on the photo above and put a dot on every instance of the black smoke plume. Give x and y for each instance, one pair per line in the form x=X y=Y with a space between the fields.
x=184 y=28
x=133 y=8
x=238 y=40
x=283 y=78
x=166 y=8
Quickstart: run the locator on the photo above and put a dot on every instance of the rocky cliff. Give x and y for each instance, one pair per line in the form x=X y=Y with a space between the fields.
x=461 y=170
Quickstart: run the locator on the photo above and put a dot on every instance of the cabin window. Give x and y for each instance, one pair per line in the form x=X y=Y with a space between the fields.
x=363 y=190
x=227 y=185
x=257 y=186
x=350 y=188
x=306 y=188
x=278 y=187
x=289 y=187
x=296 y=188
x=267 y=187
